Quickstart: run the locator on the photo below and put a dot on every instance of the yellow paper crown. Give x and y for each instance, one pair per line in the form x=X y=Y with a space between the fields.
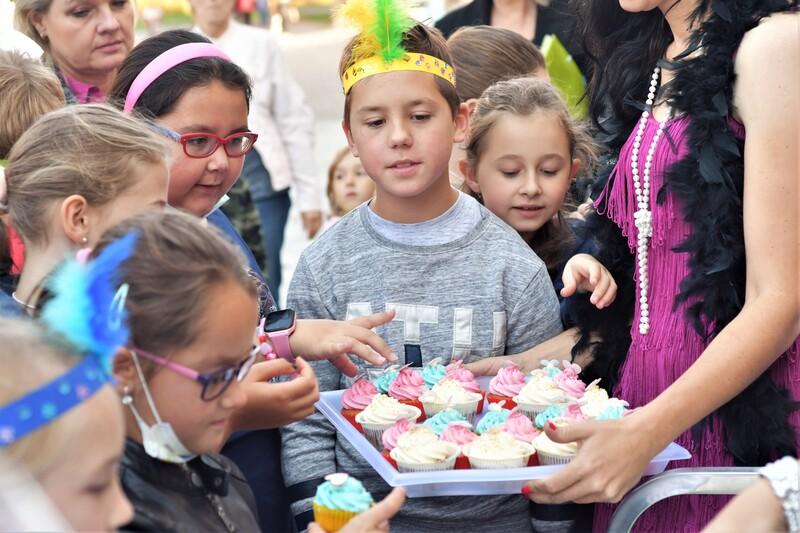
x=410 y=61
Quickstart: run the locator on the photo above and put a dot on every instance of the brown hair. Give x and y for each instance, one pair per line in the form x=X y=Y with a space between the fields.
x=483 y=55
x=176 y=262
x=31 y=358
x=91 y=150
x=29 y=90
x=525 y=96
x=335 y=209
x=419 y=39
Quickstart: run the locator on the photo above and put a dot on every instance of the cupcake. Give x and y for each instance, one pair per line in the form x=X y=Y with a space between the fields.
x=551 y=413
x=420 y=450
x=450 y=394
x=593 y=401
x=496 y=416
x=505 y=385
x=538 y=394
x=456 y=371
x=460 y=434
x=384 y=380
x=339 y=499
x=391 y=435
x=614 y=409
x=568 y=381
x=381 y=414
x=438 y=422
x=433 y=372
x=498 y=449
x=554 y=453
x=356 y=399
x=520 y=427
x=407 y=387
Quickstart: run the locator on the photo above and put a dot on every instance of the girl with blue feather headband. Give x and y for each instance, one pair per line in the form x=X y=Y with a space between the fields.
x=60 y=419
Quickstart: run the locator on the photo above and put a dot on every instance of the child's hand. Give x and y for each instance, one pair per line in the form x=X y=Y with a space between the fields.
x=333 y=339
x=271 y=405
x=584 y=272
x=375 y=520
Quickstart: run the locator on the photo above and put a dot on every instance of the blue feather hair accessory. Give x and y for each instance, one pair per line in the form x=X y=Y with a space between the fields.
x=89 y=305
x=88 y=310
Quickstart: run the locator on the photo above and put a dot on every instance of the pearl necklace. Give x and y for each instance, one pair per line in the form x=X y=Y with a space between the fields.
x=643 y=217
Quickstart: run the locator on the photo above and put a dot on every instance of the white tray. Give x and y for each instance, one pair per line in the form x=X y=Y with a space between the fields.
x=457 y=482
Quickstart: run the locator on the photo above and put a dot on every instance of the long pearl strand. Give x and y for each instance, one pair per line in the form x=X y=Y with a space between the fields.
x=643 y=217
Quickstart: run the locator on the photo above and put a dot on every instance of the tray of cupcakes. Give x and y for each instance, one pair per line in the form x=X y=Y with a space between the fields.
x=440 y=431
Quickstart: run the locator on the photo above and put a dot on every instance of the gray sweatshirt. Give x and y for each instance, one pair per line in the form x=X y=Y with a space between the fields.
x=483 y=294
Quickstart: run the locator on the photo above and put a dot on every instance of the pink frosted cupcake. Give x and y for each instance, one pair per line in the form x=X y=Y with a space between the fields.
x=391 y=436
x=407 y=387
x=568 y=381
x=522 y=429
x=456 y=371
x=356 y=399
x=505 y=385
x=460 y=434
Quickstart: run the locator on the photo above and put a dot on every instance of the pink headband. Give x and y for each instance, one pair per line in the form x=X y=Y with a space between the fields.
x=158 y=66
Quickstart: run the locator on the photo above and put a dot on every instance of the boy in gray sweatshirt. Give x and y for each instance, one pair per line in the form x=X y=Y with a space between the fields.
x=463 y=284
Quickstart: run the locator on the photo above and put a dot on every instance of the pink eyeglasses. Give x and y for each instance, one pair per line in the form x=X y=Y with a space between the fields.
x=214 y=383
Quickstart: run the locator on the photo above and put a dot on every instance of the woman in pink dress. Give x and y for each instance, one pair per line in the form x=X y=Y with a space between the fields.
x=703 y=226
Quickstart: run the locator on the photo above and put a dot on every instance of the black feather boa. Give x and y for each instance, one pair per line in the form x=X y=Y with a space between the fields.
x=708 y=185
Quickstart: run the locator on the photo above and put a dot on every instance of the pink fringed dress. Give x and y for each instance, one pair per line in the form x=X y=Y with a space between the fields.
x=656 y=360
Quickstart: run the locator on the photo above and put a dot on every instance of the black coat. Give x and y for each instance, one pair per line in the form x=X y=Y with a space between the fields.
x=554 y=19
x=207 y=494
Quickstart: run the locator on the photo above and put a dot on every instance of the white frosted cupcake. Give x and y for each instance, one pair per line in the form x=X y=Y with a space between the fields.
x=420 y=450
x=381 y=414
x=498 y=449
x=539 y=394
x=449 y=393
x=554 y=453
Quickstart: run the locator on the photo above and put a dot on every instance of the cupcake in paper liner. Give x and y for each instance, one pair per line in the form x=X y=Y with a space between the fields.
x=456 y=370
x=568 y=380
x=496 y=416
x=498 y=449
x=356 y=398
x=537 y=395
x=390 y=437
x=551 y=413
x=339 y=499
x=384 y=380
x=440 y=420
x=593 y=401
x=554 y=453
x=381 y=414
x=407 y=387
x=505 y=385
x=460 y=434
x=450 y=394
x=420 y=450
x=520 y=427
x=433 y=372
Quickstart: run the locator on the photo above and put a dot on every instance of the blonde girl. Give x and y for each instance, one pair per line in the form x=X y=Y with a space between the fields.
x=524 y=151
x=348 y=185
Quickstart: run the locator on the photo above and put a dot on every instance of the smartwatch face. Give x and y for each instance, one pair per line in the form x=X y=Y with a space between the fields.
x=279 y=321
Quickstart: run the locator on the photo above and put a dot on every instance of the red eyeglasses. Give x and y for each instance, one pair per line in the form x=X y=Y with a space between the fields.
x=200 y=145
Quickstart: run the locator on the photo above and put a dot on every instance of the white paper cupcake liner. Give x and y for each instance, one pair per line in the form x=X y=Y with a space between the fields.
x=468 y=410
x=550 y=459
x=374 y=432
x=447 y=464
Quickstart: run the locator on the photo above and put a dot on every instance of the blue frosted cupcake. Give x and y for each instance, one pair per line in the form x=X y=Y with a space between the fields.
x=338 y=500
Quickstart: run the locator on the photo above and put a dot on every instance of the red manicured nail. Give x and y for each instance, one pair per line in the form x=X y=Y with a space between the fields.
x=552 y=426
x=526 y=490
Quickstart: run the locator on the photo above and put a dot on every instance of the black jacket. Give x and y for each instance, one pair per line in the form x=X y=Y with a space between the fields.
x=555 y=19
x=206 y=494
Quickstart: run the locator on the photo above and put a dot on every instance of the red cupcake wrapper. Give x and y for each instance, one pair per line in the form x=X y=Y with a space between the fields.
x=350 y=416
x=462 y=463
x=385 y=454
x=495 y=398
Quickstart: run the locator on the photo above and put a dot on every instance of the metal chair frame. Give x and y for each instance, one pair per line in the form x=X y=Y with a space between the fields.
x=679 y=482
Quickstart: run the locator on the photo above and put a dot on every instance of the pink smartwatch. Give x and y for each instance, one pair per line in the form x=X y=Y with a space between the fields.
x=279 y=325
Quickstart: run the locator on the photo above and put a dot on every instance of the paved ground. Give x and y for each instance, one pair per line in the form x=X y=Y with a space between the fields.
x=313 y=58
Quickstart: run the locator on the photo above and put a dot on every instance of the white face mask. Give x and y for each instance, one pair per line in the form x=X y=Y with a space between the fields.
x=159 y=440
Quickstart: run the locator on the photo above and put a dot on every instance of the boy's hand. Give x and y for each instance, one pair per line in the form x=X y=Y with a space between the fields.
x=375 y=520
x=333 y=339
x=271 y=405
x=583 y=272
